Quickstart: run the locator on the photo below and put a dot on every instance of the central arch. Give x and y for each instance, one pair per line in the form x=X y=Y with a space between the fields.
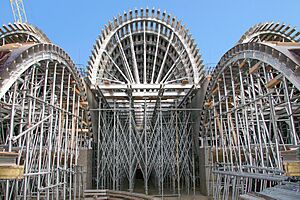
x=145 y=68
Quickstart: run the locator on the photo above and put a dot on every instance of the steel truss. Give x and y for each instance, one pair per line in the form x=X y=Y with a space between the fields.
x=162 y=149
x=43 y=119
x=252 y=116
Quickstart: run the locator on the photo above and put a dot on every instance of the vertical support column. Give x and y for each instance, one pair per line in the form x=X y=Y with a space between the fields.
x=274 y=123
x=220 y=125
x=146 y=176
x=11 y=133
x=114 y=147
x=161 y=149
x=145 y=54
x=193 y=165
x=131 y=175
x=119 y=155
x=290 y=112
x=66 y=142
x=236 y=116
x=71 y=145
x=50 y=132
x=60 y=133
x=29 y=132
x=42 y=132
x=230 y=126
x=21 y=141
x=258 y=122
x=177 y=150
x=77 y=171
x=98 y=148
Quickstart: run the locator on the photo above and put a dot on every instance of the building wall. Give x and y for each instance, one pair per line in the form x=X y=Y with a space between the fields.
x=85 y=160
x=201 y=158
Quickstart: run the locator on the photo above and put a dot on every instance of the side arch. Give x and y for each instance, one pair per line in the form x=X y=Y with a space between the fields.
x=21 y=33
x=44 y=118
x=270 y=31
x=252 y=115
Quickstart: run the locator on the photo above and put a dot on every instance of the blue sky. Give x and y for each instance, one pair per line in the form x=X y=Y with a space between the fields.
x=216 y=25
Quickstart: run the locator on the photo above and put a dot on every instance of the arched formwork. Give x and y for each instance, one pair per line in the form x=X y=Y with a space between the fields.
x=145 y=68
x=43 y=121
x=270 y=31
x=21 y=33
x=252 y=117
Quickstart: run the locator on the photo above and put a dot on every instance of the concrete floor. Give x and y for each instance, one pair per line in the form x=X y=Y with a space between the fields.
x=184 y=197
x=139 y=188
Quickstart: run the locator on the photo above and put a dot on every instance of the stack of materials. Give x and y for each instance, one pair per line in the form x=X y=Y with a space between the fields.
x=286 y=191
x=291 y=161
x=8 y=167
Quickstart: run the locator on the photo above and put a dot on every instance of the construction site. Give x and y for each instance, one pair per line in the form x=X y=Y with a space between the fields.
x=147 y=119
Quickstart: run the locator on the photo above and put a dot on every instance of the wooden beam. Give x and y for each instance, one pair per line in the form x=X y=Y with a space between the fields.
x=286 y=43
x=215 y=90
x=11 y=172
x=77 y=91
x=242 y=64
x=184 y=82
x=254 y=68
x=292 y=168
x=208 y=104
x=272 y=83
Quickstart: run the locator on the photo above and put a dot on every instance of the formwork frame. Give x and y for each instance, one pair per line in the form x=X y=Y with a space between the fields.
x=43 y=119
x=272 y=32
x=253 y=115
x=145 y=67
x=21 y=33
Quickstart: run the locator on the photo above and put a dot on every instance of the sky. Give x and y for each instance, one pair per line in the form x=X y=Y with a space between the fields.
x=216 y=25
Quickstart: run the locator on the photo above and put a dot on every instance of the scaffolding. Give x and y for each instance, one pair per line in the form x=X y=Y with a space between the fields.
x=252 y=116
x=145 y=87
x=145 y=67
x=43 y=120
x=162 y=149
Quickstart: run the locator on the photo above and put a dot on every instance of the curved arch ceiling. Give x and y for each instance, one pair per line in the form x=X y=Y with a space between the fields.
x=145 y=54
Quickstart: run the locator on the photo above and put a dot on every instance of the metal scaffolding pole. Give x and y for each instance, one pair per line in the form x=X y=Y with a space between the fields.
x=144 y=148
x=42 y=116
x=252 y=122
